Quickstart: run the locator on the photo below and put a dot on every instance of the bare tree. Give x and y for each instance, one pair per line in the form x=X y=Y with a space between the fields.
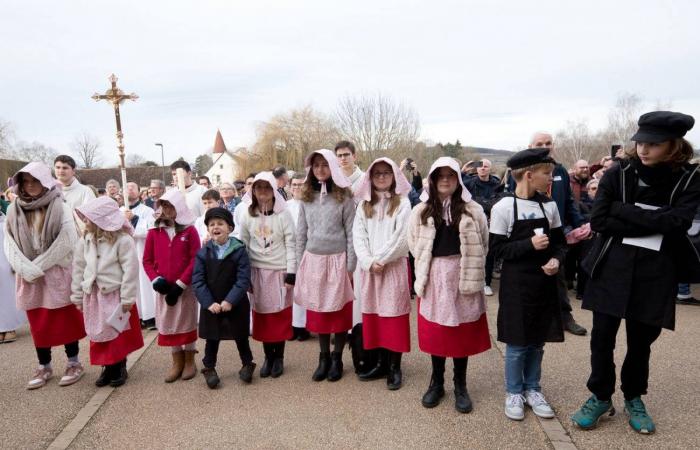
x=35 y=151
x=86 y=147
x=377 y=125
x=622 y=119
x=6 y=138
x=287 y=138
x=576 y=141
x=134 y=160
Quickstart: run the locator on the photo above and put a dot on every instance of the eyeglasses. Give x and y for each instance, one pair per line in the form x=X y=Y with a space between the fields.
x=382 y=174
x=297 y=185
x=343 y=155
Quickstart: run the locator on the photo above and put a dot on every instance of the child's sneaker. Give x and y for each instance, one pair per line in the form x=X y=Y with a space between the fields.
x=488 y=291
x=41 y=376
x=211 y=377
x=515 y=409
x=73 y=373
x=539 y=405
x=590 y=413
x=640 y=421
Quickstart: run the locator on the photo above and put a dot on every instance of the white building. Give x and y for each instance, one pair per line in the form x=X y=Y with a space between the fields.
x=225 y=168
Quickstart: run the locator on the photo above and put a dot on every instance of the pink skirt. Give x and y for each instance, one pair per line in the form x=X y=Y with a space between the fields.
x=52 y=327
x=272 y=327
x=466 y=339
x=387 y=294
x=322 y=283
x=177 y=325
x=128 y=341
x=391 y=333
x=330 y=322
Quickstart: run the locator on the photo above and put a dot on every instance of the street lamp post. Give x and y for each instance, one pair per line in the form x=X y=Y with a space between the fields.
x=162 y=158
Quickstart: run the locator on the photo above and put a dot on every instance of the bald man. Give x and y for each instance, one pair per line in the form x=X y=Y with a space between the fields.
x=570 y=218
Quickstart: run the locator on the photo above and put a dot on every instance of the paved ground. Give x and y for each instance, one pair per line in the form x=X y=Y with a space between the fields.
x=293 y=411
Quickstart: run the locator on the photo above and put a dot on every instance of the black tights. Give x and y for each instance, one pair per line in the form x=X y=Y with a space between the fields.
x=325 y=341
x=273 y=349
x=44 y=353
x=460 y=367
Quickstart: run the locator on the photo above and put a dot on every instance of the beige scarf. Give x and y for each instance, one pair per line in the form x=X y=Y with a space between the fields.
x=18 y=226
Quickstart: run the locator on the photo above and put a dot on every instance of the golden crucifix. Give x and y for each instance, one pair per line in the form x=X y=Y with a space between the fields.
x=115 y=96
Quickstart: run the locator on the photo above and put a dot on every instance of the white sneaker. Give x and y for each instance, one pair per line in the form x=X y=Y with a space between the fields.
x=539 y=405
x=515 y=409
x=488 y=291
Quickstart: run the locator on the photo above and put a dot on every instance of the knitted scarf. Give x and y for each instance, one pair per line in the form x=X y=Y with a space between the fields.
x=18 y=226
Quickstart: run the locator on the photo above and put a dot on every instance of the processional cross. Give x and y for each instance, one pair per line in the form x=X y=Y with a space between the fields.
x=116 y=96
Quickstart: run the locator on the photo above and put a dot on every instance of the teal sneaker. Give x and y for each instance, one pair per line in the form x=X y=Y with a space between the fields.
x=590 y=413
x=640 y=421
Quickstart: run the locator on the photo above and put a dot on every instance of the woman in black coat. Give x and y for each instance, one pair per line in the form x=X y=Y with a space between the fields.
x=643 y=209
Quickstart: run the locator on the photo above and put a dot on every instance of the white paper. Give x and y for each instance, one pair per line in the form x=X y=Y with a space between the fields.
x=539 y=231
x=119 y=319
x=653 y=241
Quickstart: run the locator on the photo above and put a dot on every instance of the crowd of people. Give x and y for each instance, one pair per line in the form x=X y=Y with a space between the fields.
x=333 y=250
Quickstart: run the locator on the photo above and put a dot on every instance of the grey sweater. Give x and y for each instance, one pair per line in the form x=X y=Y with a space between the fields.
x=326 y=228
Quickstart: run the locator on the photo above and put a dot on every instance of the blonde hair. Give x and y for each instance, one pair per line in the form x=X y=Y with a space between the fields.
x=519 y=173
x=99 y=233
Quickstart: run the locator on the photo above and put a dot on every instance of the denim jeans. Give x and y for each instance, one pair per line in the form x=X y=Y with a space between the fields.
x=523 y=368
x=684 y=290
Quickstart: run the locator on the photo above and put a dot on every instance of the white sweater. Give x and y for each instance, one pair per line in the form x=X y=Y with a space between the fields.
x=380 y=241
x=273 y=248
x=77 y=194
x=111 y=266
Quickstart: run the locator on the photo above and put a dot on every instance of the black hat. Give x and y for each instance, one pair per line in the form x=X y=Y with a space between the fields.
x=218 y=213
x=660 y=126
x=530 y=157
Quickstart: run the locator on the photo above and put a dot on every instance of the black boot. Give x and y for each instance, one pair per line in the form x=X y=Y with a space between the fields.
x=211 y=377
x=378 y=371
x=266 y=367
x=324 y=363
x=436 y=390
x=394 y=379
x=295 y=334
x=304 y=335
x=120 y=374
x=105 y=376
x=463 y=403
x=335 y=373
x=278 y=361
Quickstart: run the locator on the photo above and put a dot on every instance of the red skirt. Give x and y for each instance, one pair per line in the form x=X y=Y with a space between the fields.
x=272 y=327
x=52 y=327
x=466 y=339
x=330 y=322
x=128 y=341
x=391 y=333
x=172 y=340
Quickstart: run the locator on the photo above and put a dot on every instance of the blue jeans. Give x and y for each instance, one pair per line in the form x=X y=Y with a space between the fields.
x=523 y=368
x=684 y=290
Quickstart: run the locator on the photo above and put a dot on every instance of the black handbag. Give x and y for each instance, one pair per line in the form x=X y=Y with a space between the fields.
x=688 y=262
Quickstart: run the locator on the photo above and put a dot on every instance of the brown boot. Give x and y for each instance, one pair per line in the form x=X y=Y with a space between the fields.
x=176 y=369
x=190 y=369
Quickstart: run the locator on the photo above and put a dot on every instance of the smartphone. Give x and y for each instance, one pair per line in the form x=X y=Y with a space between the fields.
x=475 y=164
x=614 y=149
x=409 y=161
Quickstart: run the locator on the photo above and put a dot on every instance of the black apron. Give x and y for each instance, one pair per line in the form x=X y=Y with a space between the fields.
x=528 y=312
x=231 y=325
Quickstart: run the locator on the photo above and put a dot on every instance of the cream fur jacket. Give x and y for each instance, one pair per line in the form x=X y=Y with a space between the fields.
x=474 y=244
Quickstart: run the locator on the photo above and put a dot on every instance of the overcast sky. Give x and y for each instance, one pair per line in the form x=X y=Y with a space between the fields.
x=486 y=73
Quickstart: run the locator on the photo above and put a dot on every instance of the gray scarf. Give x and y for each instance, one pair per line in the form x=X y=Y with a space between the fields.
x=18 y=227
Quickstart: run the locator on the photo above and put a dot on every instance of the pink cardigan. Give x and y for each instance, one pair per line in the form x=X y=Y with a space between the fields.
x=172 y=260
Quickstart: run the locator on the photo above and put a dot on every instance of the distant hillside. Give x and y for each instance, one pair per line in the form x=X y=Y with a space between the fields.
x=497 y=157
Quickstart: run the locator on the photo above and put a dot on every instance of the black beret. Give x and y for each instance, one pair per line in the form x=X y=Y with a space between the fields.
x=218 y=213
x=529 y=157
x=660 y=126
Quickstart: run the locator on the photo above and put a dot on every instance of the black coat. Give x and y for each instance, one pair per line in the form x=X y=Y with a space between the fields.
x=632 y=282
x=215 y=280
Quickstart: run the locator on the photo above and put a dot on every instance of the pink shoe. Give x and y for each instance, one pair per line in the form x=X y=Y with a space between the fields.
x=73 y=373
x=41 y=376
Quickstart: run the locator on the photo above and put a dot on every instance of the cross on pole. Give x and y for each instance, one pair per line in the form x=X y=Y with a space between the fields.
x=116 y=96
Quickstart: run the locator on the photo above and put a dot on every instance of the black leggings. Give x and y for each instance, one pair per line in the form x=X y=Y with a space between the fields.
x=44 y=353
x=325 y=341
x=460 y=366
x=635 y=368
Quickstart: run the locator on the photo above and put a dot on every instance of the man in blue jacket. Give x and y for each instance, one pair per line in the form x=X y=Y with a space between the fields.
x=570 y=218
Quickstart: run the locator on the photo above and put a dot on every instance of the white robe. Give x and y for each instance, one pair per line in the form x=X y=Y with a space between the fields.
x=11 y=318
x=298 y=312
x=146 y=304
x=355 y=178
